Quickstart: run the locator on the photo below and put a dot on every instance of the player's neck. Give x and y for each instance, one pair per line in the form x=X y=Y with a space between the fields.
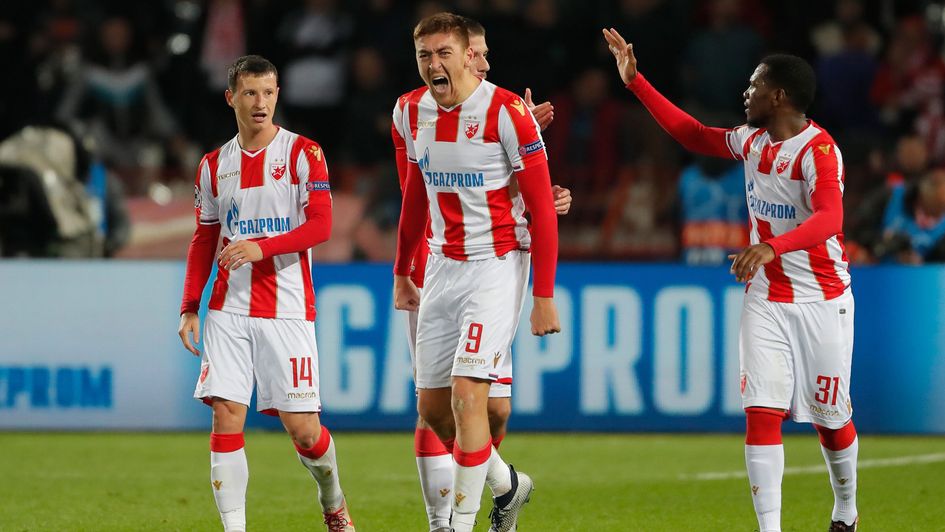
x=785 y=127
x=251 y=140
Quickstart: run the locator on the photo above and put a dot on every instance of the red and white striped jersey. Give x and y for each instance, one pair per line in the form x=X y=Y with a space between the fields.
x=259 y=195
x=780 y=178
x=467 y=156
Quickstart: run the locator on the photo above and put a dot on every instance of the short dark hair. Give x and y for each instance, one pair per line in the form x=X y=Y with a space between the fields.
x=474 y=27
x=795 y=76
x=252 y=65
x=443 y=23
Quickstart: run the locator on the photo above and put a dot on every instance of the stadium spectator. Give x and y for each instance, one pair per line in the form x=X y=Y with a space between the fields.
x=114 y=97
x=905 y=223
x=713 y=217
x=909 y=85
x=713 y=84
x=314 y=40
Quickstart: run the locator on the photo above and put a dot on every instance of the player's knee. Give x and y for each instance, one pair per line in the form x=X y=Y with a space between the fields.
x=228 y=417
x=763 y=426
x=305 y=437
x=469 y=400
x=837 y=439
x=500 y=409
x=422 y=424
x=432 y=411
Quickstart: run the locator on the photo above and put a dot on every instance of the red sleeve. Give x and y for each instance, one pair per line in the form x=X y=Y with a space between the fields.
x=688 y=131
x=827 y=201
x=315 y=230
x=400 y=154
x=199 y=264
x=413 y=219
x=535 y=184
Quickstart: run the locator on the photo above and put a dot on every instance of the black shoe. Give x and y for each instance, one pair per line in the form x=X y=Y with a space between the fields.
x=840 y=526
x=505 y=508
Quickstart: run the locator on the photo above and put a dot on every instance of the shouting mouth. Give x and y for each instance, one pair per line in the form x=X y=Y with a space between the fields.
x=440 y=83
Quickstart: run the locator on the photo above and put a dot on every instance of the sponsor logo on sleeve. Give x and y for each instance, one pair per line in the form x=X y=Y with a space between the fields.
x=312 y=186
x=196 y=197
x=538 y=145
x=315 y=151
x=824 y=148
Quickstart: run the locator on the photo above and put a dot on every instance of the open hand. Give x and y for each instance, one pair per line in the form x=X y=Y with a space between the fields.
x=623 y=53
x=239 y=253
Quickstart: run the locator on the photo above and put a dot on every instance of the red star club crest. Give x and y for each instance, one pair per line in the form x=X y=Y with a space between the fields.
x=782 y=165
x=471 y=129
x=277 y=170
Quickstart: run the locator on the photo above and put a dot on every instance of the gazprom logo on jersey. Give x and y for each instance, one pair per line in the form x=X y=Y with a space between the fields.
x=448 y=179
x=38 y=386
x=767 y=209
x=254 y=225
x=233 y=217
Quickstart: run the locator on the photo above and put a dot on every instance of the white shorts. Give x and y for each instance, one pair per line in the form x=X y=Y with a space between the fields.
x=797 y=357
x=279 y=354
x=499 y=388
x=467 y=320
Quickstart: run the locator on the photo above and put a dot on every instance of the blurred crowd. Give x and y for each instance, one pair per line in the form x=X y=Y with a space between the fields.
x=133 y=91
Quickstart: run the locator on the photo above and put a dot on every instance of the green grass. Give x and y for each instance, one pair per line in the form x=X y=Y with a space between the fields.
x=103 y=482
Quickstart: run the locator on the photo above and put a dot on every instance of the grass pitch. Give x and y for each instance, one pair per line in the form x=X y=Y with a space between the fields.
x=103 y=482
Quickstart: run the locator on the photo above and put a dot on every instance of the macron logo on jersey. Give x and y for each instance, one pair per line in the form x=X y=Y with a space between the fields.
x=448 y=179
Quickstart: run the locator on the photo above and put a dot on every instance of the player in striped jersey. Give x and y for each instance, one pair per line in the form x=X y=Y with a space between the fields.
x=465 y=140
x=434 y=460
x=267 y=192
x=796 y=334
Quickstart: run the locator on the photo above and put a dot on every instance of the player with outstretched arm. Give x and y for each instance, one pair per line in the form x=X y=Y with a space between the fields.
x=796 y=333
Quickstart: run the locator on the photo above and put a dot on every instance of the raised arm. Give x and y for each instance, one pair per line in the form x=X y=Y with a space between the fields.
x=692 y=134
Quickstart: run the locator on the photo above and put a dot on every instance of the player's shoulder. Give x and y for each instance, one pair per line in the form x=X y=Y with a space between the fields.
x=411 y=96
x=300 y=144
x=503 y=96
x=821 y=140
x=512 y=102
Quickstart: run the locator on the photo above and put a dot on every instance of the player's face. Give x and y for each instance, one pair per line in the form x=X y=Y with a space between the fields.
x=254 y=101
x=480 y=62
x=442 y=62
x=758 y=98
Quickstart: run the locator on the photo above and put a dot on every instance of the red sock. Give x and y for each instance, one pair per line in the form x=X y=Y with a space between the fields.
x=472 y=458
x=498 y=440
x=226 y=443
x=837 y=439
x=426 y=443
x=763 y=426
x=320 y=448
x=448 y=444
